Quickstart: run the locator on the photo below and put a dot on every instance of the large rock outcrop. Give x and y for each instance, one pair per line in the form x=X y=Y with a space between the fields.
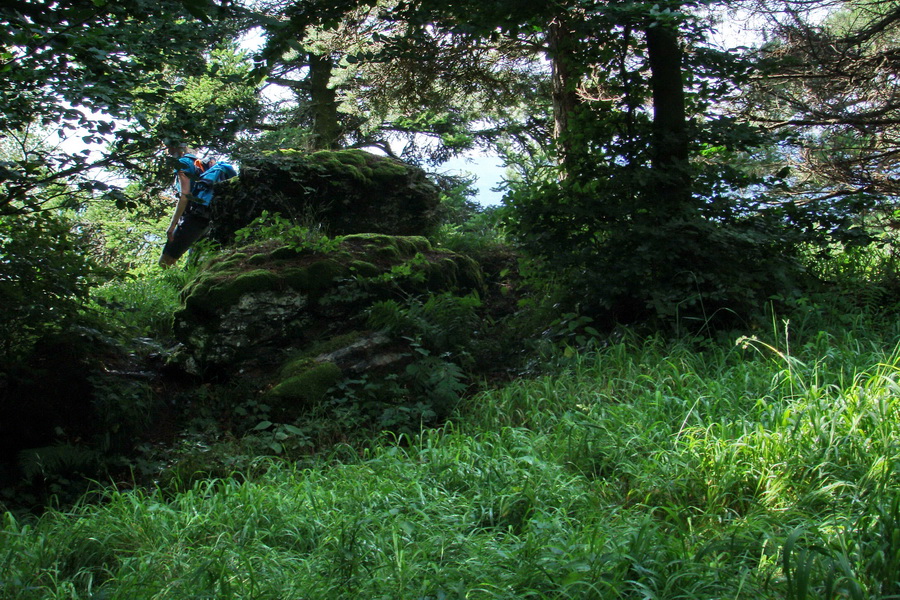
x=345 y=191
x=297 y=317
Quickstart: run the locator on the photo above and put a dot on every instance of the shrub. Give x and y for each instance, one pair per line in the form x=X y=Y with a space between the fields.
x=45 y=277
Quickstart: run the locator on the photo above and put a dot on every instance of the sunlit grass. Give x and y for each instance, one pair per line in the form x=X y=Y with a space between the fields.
x=762 y=469
x=142 y=303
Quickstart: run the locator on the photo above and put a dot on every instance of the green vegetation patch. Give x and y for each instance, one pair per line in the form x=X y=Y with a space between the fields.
x=362 y=168
x=371 y=257
x=212 y=293
x=646 y=469
x=364 y=268
x=446 y=269
x=306 y=382
x=330 y=345
x=324 y=272
x=390 y=246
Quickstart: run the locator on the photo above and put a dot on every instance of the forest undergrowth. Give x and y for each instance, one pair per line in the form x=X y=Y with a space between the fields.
x=759 y=467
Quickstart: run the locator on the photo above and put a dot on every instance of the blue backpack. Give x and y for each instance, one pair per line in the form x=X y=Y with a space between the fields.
x=205 y=176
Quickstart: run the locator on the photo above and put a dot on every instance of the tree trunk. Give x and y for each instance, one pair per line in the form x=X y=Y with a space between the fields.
x=670 y=138
x=563 y=85
x=326 y=128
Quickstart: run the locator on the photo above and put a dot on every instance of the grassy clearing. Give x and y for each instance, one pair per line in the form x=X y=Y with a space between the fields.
x=764 y=469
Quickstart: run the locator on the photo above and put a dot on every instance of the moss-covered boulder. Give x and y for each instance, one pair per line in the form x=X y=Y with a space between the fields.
x=250 y=307
x=347 y=191
x=308 y=375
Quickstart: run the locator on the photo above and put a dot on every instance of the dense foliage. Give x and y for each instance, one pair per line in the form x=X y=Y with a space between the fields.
x=45 y=278
x=108 y=82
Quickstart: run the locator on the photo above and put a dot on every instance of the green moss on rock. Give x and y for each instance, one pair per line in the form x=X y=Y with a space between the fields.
x=259 y=259
x=395 y=246
x=307 y=382
x=360 y=166
x=296 y=277
x=229 y=291
x=213 y=291
x=336 y=288
x=322 y=273
x=226 y=263
x=283 y=253
x=364 y=268
x=348 y=191
x=335 y=343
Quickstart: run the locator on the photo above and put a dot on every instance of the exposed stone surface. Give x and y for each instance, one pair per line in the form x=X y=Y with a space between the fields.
x=362 y=354
x=300 y=315
x=256 y=320
x=346 y=191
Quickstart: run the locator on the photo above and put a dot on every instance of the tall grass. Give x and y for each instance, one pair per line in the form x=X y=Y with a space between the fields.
x=763 y=469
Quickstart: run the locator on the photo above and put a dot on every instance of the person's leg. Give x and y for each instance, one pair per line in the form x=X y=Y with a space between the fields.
x=189 y=230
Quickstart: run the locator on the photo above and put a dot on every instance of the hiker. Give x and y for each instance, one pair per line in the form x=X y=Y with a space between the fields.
x=194 y=182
